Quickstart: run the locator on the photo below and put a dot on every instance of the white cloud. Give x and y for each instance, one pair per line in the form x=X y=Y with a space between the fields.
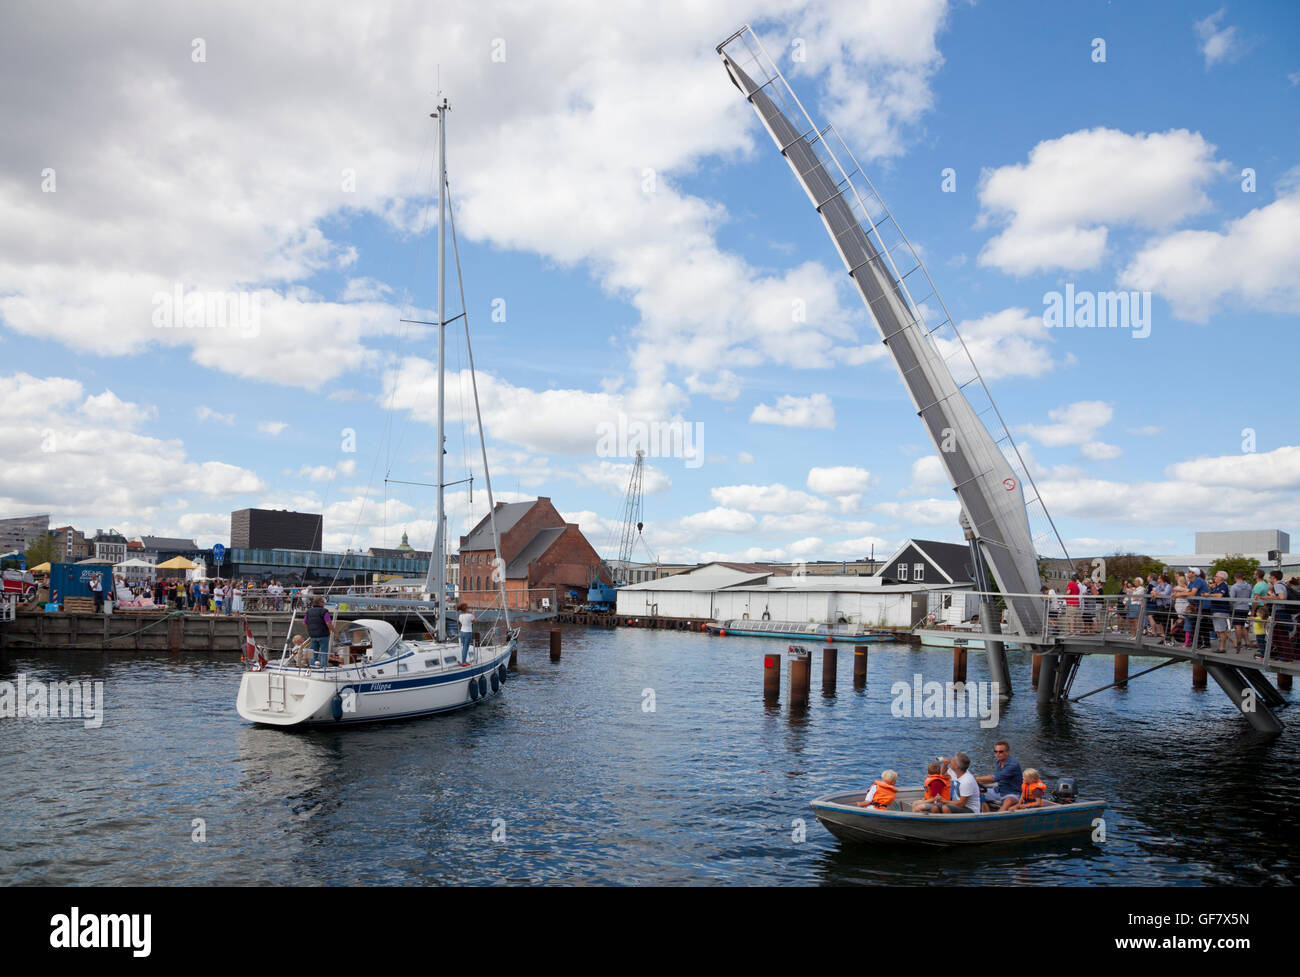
x=1217 y=43
x=208 y=414
x=78 y=459
x=614 y=477
x=1076 y=423
x=1010 y=343
x=1059 y=206
x=1099 y=450
x=928 y=473
x=775 y=498
x=1146 y=430
x=744 y=458
x=272 y=427
x=259 y=215
x=1253 y=260
x=719 y=519
x=840 y=480
x=109 y=407
x=724 y=386
x=813 y=411
x=924 y=512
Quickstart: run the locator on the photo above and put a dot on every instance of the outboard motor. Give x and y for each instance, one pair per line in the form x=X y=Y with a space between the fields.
x=1065 y=791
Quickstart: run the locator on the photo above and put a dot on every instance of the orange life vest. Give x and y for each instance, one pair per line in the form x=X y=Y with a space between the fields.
x=1032 y=792
x=944 y=779
x=884 y=796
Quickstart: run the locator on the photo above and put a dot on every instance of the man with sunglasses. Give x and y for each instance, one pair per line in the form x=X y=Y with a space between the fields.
x=1005 y=780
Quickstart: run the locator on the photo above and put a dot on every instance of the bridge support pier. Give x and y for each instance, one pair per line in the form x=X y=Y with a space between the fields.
x=1255 y=707
x=995 y=651
x=1047 y=678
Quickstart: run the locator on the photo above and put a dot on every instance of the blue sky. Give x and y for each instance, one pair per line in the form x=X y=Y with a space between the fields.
x=648 y=242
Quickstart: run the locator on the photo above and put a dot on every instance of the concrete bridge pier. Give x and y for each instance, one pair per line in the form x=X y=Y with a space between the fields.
x=1047 y=678
x=995 y=651
x=1255 y=707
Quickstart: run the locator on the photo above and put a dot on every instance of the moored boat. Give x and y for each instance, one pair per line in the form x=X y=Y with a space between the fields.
x=897 y=825
x=794 y=629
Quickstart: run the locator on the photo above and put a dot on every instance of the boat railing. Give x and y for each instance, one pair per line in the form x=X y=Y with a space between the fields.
x=1151 y=621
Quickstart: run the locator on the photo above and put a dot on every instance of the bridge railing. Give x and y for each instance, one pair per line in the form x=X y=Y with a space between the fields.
x=1264 y=629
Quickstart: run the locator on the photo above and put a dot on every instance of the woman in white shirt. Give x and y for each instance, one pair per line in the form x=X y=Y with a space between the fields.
x=466 y=624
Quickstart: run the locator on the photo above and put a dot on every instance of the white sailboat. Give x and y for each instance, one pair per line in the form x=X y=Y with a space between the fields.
x=374 y=673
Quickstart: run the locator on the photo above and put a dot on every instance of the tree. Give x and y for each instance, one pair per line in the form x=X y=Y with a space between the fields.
x=1233 y=563
x=41 y=550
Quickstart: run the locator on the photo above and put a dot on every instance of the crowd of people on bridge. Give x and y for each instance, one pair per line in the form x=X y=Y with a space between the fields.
x=1226 y=613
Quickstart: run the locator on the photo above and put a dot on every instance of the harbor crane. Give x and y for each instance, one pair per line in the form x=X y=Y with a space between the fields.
x=602 y=596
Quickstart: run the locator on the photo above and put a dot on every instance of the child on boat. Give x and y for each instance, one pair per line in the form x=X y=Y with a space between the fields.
x=882 y=792
x=938 y=786
x=299 y=650
x=1032 y=792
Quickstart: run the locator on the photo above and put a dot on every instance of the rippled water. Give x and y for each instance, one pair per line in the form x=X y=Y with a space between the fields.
x=589 y=788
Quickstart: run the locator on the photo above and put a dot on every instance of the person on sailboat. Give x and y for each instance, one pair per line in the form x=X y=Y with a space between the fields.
x=320 y=626
x=466 y=625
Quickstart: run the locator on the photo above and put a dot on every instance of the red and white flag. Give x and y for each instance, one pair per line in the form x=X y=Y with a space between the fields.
x=251 y=654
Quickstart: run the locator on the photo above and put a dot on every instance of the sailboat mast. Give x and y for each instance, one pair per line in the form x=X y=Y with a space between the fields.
x=440 y=547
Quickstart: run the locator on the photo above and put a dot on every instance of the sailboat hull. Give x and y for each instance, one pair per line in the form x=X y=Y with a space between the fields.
x=278 y=696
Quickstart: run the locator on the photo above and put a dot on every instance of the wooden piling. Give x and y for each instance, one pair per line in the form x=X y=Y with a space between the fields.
x=514 y=655
x=771 y=678
x=1038 y=665
x=1284 y=681
x=555 y=644
x=959 y=665
x=800 y=679
x=859 y=666
x=1121 y=671
x=830 y=662
x=1199 y=676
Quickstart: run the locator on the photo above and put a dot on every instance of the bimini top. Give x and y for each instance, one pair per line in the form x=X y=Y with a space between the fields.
x=383 y=636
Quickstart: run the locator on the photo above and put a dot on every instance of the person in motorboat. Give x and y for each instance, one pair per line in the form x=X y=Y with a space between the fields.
x=966 y=789
x=320 y=627
x=1005 y=781
x=1032 y=792
x=466 y=624
x=938 y=786
x=883 y=792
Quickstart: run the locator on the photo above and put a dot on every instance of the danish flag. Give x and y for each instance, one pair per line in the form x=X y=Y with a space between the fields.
x=251 y=654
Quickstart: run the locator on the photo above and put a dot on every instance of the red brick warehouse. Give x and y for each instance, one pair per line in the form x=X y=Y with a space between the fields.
x=540 y=551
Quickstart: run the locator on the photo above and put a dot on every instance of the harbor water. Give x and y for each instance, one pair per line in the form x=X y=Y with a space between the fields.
x=641 y=757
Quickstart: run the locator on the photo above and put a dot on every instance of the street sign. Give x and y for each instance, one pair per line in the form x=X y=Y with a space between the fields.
x=219 y=553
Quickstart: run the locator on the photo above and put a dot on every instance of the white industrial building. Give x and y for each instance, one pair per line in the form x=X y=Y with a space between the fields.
x=732 y=591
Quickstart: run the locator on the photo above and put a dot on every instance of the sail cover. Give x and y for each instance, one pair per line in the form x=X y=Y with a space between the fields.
x=990 y=491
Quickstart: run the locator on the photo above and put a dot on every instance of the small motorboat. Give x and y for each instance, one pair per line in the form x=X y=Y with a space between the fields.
x=897 y=825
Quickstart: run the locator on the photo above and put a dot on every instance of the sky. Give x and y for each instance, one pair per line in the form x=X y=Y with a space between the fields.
x=216 y=217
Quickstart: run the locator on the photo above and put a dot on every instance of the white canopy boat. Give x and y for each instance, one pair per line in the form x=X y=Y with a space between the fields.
x=372 y=673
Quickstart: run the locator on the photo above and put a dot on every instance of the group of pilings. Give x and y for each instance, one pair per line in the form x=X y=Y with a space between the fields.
x=801 y=674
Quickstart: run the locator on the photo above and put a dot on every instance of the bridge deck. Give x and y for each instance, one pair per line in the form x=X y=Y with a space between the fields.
x=1119 y=643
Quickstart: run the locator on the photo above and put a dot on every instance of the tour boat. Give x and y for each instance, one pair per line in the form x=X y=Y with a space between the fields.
x=373 y=673
x=897 y=825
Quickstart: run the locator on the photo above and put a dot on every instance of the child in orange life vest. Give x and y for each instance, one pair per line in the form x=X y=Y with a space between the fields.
x=882 y=792
x=1032 y=792
x=938 y=786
